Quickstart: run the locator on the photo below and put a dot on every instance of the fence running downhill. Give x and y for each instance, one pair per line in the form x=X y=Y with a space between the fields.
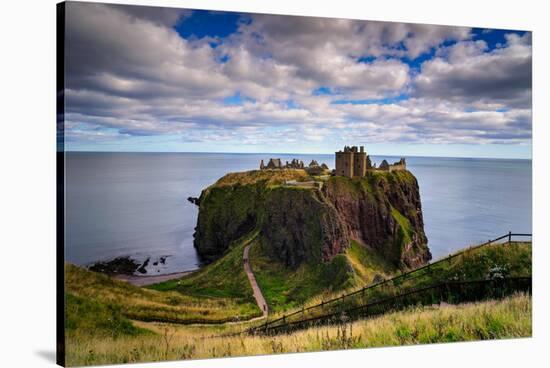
x=393 y=293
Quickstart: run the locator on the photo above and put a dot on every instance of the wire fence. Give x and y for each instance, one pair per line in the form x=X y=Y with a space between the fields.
x=391 y=288
x=450 y=291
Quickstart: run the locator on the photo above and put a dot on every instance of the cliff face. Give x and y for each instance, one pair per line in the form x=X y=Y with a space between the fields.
x=300 y=226
x=383 y=211
x=304 y=224
x=296 y=223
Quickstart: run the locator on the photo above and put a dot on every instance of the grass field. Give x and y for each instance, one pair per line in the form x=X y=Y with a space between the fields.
x=110 y=321
x=507 y=318
x=88 y=290
x=224 y=278
x=492 y=261
x=285 y=289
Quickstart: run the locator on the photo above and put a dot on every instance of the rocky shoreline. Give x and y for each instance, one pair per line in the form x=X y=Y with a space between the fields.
x=151 y=279
x=125 y=266
x=128 y=270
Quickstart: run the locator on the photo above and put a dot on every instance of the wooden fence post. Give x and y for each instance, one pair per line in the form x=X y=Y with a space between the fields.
x=509 y=237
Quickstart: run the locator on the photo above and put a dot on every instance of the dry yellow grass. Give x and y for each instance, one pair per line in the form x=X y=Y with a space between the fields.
x=508 y=318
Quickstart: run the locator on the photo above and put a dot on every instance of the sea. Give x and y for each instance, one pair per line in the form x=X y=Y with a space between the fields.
x=135 y=204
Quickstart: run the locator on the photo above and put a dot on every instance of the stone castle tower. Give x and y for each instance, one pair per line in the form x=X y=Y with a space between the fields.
x=352 y=162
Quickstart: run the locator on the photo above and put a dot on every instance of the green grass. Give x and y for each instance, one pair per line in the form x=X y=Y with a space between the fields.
x=97 y=319
x=405 y=230
x=269 y=177
x=495 y=319
x=285 y=288
x=151 y=305
x=493 y=261
x=367 y=263
x=101 y=312
x=224 y=278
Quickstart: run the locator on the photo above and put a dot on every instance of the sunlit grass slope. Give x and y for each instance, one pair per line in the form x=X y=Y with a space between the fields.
x=507 y=318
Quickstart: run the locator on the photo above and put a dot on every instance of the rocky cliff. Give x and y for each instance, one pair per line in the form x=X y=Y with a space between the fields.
x=300 y=223
x=383 y=211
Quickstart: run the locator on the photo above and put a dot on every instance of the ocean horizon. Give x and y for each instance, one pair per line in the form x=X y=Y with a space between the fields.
x=295 y=153
x=134 y=204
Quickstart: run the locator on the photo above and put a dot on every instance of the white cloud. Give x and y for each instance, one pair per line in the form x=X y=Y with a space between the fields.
x=466 y=73
x=129 y=73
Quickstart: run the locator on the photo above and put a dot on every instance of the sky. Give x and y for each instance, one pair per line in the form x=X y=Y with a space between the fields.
x=162 y=79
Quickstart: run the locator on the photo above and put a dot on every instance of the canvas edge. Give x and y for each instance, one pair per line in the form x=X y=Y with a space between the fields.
x=60 y=183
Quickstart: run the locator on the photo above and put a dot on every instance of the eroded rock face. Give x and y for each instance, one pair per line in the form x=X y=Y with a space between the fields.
x=225 y=215
x=299 y=226
x=382 y=211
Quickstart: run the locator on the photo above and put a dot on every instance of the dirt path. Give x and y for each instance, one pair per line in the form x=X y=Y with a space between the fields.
x=149 y=280
x=257 y=292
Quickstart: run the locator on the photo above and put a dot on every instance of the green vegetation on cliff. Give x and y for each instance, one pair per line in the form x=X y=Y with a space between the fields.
x=368 y=264
x=381 y=211
x=266 y=177
x=310 y=241
x=296 y=222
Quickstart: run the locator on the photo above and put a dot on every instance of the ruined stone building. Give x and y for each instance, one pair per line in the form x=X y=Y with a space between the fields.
x=274 y=163
x=294 y=164
x=354 y=162
x=351 y=162
x=313 y=168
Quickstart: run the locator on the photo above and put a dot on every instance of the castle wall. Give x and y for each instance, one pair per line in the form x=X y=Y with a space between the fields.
x=359 y=164
x=397 y=167
x=352 y=162
x=344 y=164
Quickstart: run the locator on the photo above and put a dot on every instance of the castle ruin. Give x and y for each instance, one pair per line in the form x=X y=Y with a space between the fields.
x=351 y=162
x=314 y=168
x=354 y=162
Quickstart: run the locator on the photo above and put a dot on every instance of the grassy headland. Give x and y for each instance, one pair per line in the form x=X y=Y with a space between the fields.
x=307 y=245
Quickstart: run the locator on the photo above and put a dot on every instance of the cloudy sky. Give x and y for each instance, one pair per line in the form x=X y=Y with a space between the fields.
x=159 y=79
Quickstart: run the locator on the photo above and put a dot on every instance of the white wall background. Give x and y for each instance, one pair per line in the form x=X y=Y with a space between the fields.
x=27 y=180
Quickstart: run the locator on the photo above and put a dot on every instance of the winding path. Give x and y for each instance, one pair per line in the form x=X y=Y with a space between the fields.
x=257 y=292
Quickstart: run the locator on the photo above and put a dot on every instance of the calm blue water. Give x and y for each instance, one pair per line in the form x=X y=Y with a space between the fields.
x=135 y=204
